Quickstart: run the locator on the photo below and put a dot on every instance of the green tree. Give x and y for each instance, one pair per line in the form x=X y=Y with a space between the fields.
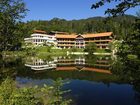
x=120 y=26
x=120 y=8
x=133 y=41
x=11 y=12
x=90 y=48
x=114 y=46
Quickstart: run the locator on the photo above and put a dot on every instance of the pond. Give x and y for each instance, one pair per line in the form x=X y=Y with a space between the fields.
x=93 y=80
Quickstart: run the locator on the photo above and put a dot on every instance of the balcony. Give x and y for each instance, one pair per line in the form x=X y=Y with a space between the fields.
x=66 y=45
x=99 y=40
x=66 y=41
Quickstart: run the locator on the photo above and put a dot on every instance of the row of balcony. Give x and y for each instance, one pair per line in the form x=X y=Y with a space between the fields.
x=80 y=44
x=108 y=40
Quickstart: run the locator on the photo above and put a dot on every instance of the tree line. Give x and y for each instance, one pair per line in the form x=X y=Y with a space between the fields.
x=120 y=26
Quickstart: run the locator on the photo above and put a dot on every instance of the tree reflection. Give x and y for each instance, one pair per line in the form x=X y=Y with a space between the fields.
x=8 y=67
x=128 y=70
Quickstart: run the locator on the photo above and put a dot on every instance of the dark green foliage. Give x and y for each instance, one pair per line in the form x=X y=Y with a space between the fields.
x=134 y=39
x=120 y=8
x=120 y=26
x=11 y=11
x=89 y=59
x=131 y=44
x=127 y=69
x=47 y=95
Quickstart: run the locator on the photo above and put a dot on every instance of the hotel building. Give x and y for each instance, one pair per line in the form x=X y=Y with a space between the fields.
x=65 y=40
x=80 y=41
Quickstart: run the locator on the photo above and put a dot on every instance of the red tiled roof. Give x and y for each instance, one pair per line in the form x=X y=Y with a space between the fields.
x=98 y=35
x=73 y=36
x=66 y=36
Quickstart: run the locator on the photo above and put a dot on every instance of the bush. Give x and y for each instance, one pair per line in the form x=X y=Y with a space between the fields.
x=47 y=95
x=90 y=48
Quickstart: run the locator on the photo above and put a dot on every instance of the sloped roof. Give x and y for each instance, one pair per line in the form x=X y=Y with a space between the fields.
x=66 y=36
x=73 y=36
x=97 y=35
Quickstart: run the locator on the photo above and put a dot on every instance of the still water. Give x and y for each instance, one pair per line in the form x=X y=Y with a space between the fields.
x=93 y=80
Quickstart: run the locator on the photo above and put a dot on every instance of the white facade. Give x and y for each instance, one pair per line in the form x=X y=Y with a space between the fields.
x=40 y=39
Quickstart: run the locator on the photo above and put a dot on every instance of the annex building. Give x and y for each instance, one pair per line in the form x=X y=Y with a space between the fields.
x=40 y=37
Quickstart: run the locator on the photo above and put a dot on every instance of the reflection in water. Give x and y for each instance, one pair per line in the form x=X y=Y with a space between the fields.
x=65 y=63
x=39 y=64
x=94 y=80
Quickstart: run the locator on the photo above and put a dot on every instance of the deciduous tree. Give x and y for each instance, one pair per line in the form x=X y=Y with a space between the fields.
x=121 y=7
x=91 y=48
x=11 y=12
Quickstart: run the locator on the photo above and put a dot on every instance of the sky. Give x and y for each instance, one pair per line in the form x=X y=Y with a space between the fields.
x=66 y=9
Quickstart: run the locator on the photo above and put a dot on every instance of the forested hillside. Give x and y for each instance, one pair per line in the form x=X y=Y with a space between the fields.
x=120 y=26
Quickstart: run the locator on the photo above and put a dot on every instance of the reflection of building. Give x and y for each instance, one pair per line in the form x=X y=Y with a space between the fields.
x=40 y=37
x=39 y=64
x=80 y=41
x=68 y=63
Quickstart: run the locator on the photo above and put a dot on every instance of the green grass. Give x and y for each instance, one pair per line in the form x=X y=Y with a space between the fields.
x=45 y=51
x=101 y=51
